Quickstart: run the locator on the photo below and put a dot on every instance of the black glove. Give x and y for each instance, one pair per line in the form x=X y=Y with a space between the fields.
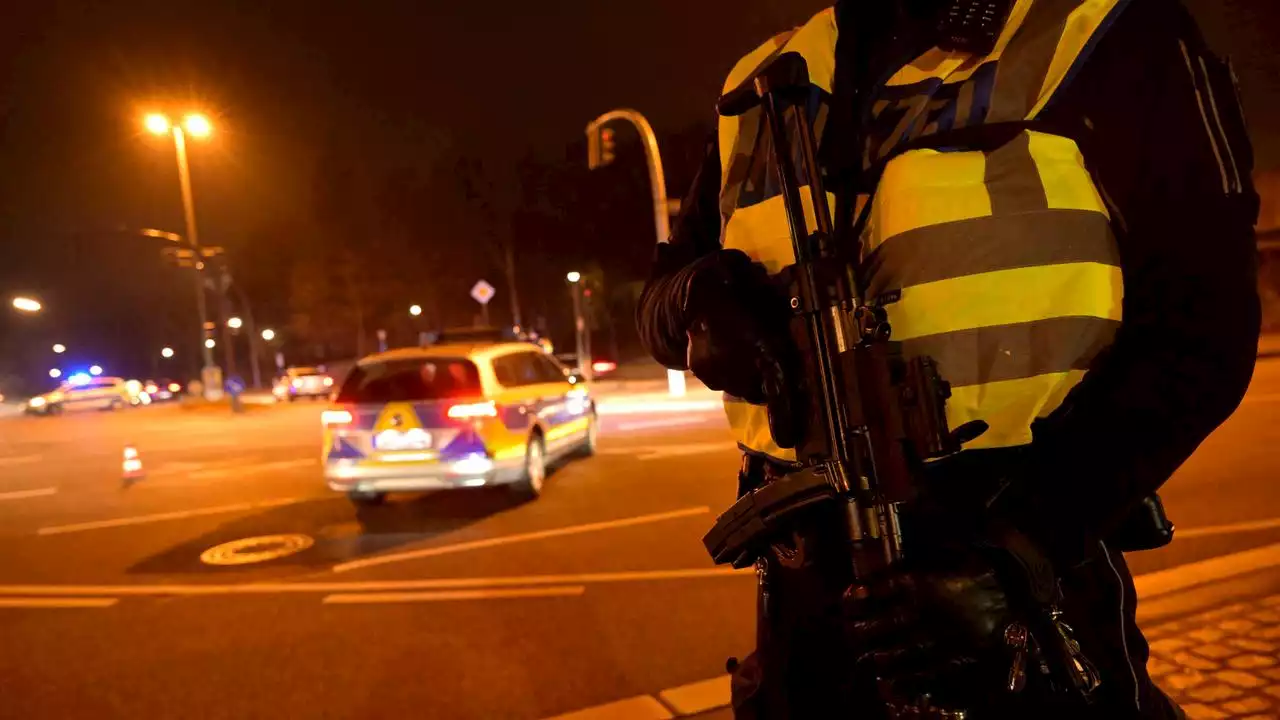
x=932 y=631
x=738 y=332
x=943 y=627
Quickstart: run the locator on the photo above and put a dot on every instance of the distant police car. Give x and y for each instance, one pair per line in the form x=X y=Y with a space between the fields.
x=457 y=414
x=82 y=392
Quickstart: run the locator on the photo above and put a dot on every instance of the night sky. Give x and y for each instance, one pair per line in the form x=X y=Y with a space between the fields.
x=394 y=84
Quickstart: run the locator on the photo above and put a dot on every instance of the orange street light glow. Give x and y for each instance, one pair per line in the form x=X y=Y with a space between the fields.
x=198 y=125
x=156 y=123
x=25 y=304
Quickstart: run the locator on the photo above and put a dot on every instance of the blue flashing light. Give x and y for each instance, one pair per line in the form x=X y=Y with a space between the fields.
x=79 y=379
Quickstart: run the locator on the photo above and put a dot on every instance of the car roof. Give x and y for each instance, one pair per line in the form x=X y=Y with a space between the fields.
x=472 y=351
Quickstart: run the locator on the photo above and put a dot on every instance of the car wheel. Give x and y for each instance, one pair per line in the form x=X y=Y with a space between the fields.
x=588 y=446
x=54 y=410
x=116 y=404
x=534 y=475
x=366 y=497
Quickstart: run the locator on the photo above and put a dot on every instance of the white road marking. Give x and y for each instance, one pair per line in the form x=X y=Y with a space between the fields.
x=520 y=538
x=625 y=407
x=1203 y=572
x=160 y=517
x=444 y=595
x=22 y=494
x=1272 y=397
x=697 y=697
x=670 y=451
x=641 y=707
x=57 y=602
x=1229 y=529
x=669 y=422
x=19 y=460
x=376 y=585
x=656 y=452
x=250 y=469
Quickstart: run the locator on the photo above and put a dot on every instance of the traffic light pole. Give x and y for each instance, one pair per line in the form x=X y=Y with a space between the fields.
x=600 y=153
x=658 y=184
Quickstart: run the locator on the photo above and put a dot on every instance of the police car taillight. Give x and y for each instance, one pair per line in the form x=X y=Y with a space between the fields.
x=470 y=411
x=335 y=418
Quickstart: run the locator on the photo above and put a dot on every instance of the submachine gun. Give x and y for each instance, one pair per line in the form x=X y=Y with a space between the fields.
x=870 y=417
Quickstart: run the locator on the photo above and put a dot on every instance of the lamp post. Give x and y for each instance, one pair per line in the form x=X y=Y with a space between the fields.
x=200 y=127
x=582 y=341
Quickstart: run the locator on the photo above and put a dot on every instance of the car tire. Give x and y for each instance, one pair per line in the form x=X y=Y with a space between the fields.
x=534 y=475
x=366 y=498
x=588 y=446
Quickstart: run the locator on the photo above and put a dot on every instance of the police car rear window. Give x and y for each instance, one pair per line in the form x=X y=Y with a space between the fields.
x=411 y=380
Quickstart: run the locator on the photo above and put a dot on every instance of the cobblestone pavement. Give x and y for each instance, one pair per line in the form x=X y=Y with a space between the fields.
x=1224 y=663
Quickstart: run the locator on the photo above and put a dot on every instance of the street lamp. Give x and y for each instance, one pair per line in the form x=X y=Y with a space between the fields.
x=26 y=304
x=209 y=343
x=59 y=348
x=199 y=126
x=95 y=370
x=268 y=335
x=235 y=323
x=166 y=353
x=55 y=373
x=582 y=342
x=415 y=310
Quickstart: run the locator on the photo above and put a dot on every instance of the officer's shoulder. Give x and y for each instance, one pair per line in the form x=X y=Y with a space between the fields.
x=824 y=19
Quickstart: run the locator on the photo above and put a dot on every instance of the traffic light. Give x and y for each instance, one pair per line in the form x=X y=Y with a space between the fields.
x=600 y=147
x=606 y=146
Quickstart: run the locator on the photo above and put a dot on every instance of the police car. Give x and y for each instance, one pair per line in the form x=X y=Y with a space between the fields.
x=454 y=415
x=82 y=392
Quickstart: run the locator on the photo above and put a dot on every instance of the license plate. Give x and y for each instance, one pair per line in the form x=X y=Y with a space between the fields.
x=391 y=440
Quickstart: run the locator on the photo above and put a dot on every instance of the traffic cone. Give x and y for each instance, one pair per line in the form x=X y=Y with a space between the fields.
x=131 y=468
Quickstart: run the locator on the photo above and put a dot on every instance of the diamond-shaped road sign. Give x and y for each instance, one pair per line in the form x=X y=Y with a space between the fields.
x=482 y=292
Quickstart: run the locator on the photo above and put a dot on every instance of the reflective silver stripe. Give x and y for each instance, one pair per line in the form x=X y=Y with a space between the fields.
x=1213 y=105
x=986 y=244
x=1013 y=179
x=1226 y=186
x=1124 y=639
x=977 y=356
x=1025 y=62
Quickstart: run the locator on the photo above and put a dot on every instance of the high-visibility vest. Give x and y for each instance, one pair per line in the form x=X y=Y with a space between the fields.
x=999 y=263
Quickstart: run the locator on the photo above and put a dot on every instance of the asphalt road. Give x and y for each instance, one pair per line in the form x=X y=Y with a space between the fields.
x=451 y=605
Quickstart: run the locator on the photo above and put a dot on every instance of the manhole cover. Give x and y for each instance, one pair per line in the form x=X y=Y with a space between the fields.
x=247 y=551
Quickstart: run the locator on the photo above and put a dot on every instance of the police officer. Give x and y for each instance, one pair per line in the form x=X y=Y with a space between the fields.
x=1060 y=212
